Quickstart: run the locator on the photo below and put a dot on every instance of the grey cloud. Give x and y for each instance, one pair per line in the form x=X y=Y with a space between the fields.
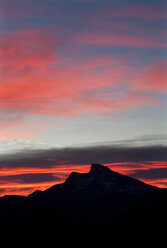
x=83 y=155
x=156 y=173
x=30 y=178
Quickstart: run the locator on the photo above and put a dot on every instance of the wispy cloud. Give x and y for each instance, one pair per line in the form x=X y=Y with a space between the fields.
x=37 y=81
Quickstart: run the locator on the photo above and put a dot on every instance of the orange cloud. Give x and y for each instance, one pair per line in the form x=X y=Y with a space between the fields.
x=20 y=187
x=61 y=172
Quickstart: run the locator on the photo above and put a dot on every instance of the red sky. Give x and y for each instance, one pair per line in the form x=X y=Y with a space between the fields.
x=79 y=73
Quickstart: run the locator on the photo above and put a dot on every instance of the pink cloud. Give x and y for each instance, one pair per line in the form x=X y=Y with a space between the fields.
x=35 y=81
x=9 y=134
x=145 y=11
x=34 y=9
x=29 y=10
x=121 y=39
x=153 y=77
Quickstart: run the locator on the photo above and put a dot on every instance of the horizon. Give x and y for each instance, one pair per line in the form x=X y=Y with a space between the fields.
x=82 y=172
x=82 y=81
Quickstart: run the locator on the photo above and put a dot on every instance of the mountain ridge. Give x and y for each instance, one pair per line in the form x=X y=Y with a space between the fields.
x=98 y=201
x=108 y=179
x=96 y=169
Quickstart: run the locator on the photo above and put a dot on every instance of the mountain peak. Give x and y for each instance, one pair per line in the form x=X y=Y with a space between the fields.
x=103 y=177
x=98 y=168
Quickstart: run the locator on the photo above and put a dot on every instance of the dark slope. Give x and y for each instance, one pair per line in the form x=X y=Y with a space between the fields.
x=101 y=201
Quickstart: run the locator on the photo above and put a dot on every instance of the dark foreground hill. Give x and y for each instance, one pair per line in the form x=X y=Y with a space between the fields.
x=100 y=202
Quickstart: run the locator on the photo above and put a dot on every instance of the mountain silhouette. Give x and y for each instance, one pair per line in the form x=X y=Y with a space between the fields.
x=101 y=201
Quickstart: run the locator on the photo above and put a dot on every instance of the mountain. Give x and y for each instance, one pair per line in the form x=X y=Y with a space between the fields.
x=100 y=201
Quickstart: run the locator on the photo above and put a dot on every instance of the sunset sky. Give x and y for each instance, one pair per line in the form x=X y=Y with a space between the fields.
x=82 y=81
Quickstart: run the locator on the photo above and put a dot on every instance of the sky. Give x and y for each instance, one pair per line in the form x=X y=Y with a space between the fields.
x=81 y=82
